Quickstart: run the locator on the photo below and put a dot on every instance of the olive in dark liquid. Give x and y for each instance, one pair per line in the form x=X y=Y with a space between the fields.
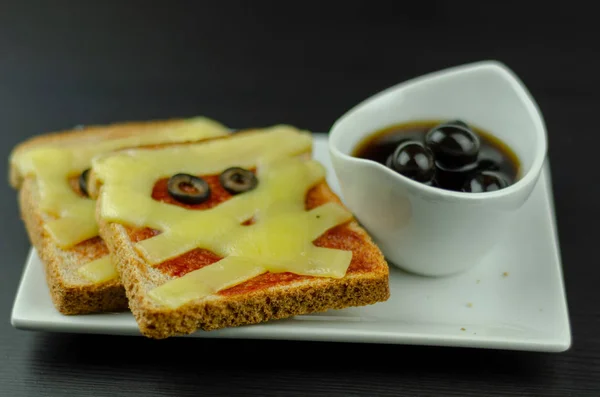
x=461 y=154
x=486 y=181
x=453 y=145
x=413 y=160
x=453 y=178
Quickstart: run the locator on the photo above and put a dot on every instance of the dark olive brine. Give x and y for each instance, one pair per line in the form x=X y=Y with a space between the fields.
x=451 y=155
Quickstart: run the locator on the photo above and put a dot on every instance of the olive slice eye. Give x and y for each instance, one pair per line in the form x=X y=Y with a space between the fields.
x=188 y=189
x=238 y=180
x=83 y=182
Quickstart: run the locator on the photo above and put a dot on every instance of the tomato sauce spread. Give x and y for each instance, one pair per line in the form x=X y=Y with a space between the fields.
x=90 y=249
x=339 y=237
x=217 y=194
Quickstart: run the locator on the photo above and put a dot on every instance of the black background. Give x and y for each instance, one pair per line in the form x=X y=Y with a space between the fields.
x=304 y=63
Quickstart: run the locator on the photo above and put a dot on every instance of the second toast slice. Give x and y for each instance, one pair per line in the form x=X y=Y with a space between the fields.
x=279 y=244
x=49 y=172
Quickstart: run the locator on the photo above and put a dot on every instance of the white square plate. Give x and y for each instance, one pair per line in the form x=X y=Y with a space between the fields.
x=515 y=300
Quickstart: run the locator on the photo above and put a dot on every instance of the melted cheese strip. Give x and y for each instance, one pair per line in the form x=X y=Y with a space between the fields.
x=226 y=273
x=280 y=239
x=286 y=184
x=76 y=226
x=99 y=270
x=52 y=166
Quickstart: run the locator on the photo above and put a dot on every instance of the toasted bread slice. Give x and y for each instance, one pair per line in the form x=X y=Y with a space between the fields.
x=73 y=291
x=178 y=289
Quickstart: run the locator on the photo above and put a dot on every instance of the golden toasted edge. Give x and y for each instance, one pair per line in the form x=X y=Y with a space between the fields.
x=88 y=133
x=303 y=297
x=68 y=299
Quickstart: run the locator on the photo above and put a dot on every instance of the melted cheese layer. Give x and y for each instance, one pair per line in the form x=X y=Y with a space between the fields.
x=279 y=240
x=99 y=270
x=52 y=165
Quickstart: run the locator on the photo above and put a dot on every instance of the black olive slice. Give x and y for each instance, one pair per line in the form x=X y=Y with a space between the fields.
x=188 y=189
x=83 y=182
x=238 y=180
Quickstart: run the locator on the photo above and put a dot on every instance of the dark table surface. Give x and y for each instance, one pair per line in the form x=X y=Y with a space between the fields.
x=248 y=64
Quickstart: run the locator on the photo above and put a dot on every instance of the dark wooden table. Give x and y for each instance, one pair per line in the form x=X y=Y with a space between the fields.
x=249 y=64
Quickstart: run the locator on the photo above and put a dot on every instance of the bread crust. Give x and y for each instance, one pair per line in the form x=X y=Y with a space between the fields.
x=72 y=294
x=215 y=312
x=91 y=134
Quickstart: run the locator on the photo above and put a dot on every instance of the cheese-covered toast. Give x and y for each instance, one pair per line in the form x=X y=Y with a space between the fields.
x=233 y=231
x=50 y=171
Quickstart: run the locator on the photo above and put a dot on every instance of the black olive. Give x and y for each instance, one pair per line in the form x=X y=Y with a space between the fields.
x=83 y=182
x=487 y=165
x=459 y=123
x=485 y=181
x=414 y=161
x=453 y=145
x=453 y=178
x=388 y=162
x=238 y=180
x=188 y=189
x=379 y=149
x=432 y=182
